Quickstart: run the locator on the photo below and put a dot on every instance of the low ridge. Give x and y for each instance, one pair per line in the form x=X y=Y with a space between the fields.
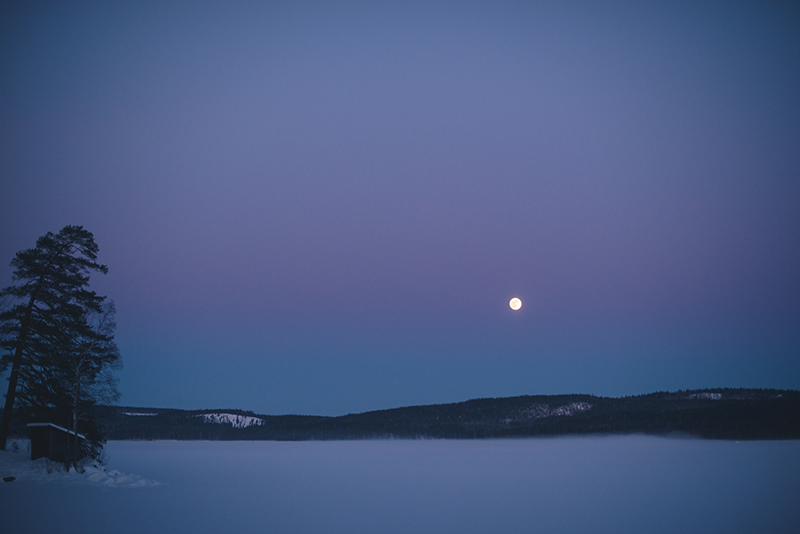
x=741 y=414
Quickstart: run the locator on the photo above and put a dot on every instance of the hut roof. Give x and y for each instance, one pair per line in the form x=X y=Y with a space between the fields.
x=61 y=428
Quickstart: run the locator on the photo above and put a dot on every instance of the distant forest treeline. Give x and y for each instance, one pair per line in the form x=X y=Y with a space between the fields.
x=740 y=414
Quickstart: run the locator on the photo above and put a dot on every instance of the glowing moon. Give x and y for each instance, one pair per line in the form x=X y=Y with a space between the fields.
x=515 y=303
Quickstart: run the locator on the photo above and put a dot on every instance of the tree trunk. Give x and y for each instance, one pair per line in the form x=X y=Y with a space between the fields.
x=75 y=445
x=5 y=425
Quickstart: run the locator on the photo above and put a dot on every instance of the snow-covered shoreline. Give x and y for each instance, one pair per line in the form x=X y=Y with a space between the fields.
x=16 y=463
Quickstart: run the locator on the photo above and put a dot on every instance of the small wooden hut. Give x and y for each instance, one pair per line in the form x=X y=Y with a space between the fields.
x=51 y=441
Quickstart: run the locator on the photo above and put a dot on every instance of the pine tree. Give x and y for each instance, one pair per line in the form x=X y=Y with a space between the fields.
x=48 y=332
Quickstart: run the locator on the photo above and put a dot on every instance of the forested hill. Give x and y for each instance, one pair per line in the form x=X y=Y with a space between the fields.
x=712 y=413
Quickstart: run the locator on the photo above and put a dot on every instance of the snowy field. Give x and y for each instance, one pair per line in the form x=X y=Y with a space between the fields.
x=630 y=484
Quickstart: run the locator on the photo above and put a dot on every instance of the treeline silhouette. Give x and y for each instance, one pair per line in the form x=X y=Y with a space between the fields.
x=736 y=414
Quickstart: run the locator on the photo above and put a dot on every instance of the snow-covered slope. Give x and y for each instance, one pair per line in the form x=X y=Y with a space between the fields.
x=714 y=396
x=539 y=411
x=237 y=421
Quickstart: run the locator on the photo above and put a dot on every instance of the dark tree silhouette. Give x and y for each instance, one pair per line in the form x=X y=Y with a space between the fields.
x=51 y=333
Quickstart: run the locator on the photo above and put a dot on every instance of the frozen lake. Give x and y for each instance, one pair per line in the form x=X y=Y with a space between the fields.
x=630 y=484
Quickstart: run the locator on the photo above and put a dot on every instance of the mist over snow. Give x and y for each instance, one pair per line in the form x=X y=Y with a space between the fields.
x=620 y=485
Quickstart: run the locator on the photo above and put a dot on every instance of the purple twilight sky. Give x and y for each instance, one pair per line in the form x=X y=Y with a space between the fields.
x=323 y=208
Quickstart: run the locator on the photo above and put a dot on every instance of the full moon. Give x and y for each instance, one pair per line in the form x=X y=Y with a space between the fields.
x=515 y=303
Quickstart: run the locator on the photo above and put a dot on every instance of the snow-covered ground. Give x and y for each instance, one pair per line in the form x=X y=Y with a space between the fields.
x=628 y=484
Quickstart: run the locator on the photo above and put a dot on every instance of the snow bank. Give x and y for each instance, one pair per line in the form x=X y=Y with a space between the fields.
x=19 y=466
